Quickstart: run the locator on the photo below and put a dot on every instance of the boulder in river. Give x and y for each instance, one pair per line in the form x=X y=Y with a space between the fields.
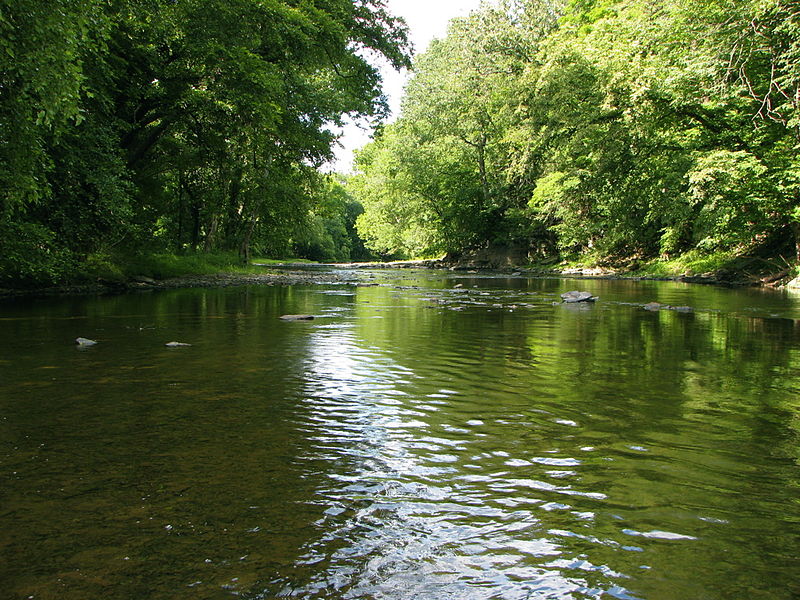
x=143 y=279
x=297 y=317
x=82 y=341
x=575 y=296
x=654 y=306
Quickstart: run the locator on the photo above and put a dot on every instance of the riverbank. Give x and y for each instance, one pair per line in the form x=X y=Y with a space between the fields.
x=144 y=284
x=758 y=266
x=304 y=273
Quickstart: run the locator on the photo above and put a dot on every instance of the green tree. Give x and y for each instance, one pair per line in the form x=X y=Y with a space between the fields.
x=151 y=124
x=436 y=181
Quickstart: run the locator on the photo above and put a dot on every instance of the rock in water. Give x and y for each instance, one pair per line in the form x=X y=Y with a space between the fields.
x=143 y=279
x=82 y=341
x=654 y=306
x=576 y=296
x=297 y=317
x=176 y=344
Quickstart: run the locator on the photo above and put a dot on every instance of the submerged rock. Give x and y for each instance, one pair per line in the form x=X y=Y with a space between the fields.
x=82 y=341
x=653 y=306
x=297 y=317
x=176 y=344
x=575 y=296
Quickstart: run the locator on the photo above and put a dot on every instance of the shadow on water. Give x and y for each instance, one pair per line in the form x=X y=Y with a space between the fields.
x=416 y=440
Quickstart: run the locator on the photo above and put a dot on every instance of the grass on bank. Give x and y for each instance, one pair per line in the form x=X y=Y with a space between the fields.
x=726 y=266
x=282 y=261
x=735 y=266
x=690 y=263
x=120 y=268
x=104 y=267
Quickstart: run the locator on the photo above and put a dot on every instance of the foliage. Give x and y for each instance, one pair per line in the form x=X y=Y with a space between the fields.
x=41 y=83
x=146 y=126
x=645 y=129
x=614 y=128
x=435 y=180
x=330 y=234
x=30 y=255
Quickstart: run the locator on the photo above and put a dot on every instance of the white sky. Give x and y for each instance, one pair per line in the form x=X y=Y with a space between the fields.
x=427 y=19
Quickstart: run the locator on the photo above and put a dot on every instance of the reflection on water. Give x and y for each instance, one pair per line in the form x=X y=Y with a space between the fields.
x=417 y=440
x=420 y=505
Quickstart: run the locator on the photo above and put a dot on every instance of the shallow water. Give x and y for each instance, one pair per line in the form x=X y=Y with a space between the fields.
x=416 y=440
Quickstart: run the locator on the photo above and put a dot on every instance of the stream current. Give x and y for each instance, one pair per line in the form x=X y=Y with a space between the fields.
x=429 y=435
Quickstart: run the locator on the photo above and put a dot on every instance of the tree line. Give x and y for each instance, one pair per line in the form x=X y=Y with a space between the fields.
x=601 y=128
x=136 y=126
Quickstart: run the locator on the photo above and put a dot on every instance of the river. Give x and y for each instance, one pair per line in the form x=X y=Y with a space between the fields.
x=429 y=435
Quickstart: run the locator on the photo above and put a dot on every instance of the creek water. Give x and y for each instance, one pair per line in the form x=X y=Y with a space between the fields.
x=416 y=440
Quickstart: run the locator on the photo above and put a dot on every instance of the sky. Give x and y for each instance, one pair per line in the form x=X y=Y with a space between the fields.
x=426 y=19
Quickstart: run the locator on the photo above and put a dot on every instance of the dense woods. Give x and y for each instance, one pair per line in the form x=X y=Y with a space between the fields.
x=141 y=126
x=620 y=130
x=631 y=130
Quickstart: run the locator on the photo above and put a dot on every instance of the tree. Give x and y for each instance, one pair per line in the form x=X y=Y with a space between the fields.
x=150 y=124
x=435 y=182
x=621 y=128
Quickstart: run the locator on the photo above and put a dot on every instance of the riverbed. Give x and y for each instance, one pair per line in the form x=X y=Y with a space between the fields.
x=428 y=435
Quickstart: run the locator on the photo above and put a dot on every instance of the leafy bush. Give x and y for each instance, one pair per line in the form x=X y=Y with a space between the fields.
x=30 y=255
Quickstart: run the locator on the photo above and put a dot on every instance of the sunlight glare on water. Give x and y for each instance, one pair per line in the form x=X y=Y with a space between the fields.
x=410 y=515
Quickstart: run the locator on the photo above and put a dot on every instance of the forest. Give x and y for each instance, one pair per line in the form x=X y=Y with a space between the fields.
x=135 y=127
x=622 y=132
x=605 y=130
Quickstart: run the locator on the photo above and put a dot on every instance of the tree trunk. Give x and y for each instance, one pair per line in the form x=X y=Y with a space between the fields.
x=180 y=211
x=244 y=247
x=208 y=245
x=195 y=226
x=249 y=229
x=481 y=146
x=235 y=218
x=796 y=231
x=194 y=207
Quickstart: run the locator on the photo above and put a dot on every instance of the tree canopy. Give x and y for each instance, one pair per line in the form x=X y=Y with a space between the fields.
x=175 y=124
x=631 y=129
x=617 y=128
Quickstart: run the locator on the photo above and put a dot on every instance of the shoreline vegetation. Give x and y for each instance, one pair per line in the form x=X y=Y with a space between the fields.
x=222 y=270
x=581 y=137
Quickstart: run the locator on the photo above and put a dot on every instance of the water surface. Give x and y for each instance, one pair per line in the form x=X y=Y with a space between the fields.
x=416 y=440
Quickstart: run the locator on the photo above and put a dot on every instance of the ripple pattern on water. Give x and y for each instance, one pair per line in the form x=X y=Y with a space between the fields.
x=424 y=504
x=416 y=440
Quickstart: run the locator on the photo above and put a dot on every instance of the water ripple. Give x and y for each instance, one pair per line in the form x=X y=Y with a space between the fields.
x=404 y=517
